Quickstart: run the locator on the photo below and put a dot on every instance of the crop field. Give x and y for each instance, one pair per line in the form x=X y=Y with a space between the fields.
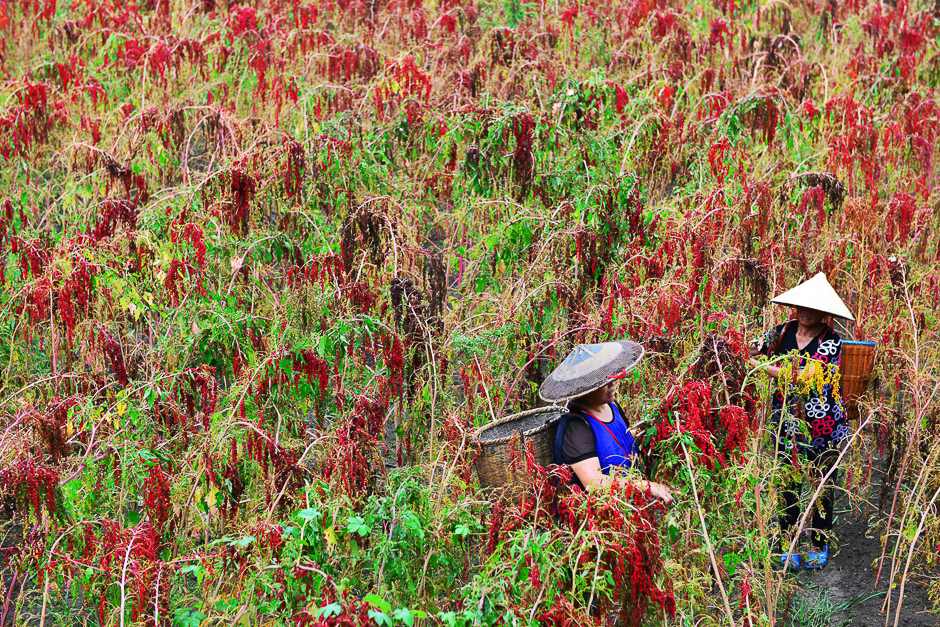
x=267 y=265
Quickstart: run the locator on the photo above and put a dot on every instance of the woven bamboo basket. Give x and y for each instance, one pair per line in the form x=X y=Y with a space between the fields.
x=494 y=464
x=857 y=361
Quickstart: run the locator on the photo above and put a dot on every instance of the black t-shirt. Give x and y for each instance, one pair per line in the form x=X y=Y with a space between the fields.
x=787 y=342
x=578 y=442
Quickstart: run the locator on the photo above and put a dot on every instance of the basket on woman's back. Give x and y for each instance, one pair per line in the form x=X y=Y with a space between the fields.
x=499 y=441
x=855 y=370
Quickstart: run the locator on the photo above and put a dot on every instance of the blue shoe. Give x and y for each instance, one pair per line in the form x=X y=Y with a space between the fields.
x=794 y=561
x=816 y=560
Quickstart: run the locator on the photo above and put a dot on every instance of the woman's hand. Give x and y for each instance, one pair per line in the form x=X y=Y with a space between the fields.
x=590 y=473
x=660 y=491
x=772 y=371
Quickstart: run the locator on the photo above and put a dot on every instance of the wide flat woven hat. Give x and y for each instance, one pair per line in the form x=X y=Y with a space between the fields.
x=816 y=293
x=589 y=367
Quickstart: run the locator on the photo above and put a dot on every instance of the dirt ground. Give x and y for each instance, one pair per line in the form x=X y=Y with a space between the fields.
x=844 y=593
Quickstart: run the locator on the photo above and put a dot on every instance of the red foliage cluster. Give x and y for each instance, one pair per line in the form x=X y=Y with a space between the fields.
x=34 y=256
x=349 y=459
x=51 y=424
x=687 y=409
x=75 y=294
x=320 y=270
x=393 y=351
x=181 y=230
x=523 y=163
x=410 y=83
x=748 y=602
x=157 y=499
x=135 y=186
x=115 y=211
x=33 y=486
x=630 y=551
x=813 y=204
x=278 y=464
x=313 y=368
x=29 y=122
x=360 y=296
x=113 y=355
x=226 y=476
x=269 y=536
x=242 y=20
x=295 y=165
x=901 y=213
x=721 y=433
x=201 y=380
x=346 y=63
x=626 y=544
x=172 y=282
x=241 y=187
x=564 y=614
x=128 y=554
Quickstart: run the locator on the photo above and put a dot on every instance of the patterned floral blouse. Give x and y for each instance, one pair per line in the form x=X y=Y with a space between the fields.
x=814 y=395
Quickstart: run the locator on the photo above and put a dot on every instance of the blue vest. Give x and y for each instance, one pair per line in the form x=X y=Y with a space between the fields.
x=614 y=442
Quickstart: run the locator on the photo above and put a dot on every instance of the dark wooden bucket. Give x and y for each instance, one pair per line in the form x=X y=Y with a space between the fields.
x=498 y=476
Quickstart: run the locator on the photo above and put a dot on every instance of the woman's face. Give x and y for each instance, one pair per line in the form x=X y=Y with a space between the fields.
x=809 y=317
x=600 y=396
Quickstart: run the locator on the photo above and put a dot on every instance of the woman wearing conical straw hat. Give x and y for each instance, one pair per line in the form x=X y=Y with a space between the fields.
x=809 y=420
x=594 y=436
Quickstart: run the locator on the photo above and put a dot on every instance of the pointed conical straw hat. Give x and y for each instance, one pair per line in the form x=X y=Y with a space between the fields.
x=816 y=293
x=589 y=367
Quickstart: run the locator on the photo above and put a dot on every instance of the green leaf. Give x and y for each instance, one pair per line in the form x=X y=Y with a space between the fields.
x=333 y=609
x=147 y=457
x=448 y=618
x=132 y=518
x=188 y=617
x=380 y=618
x=358 y=525
x=404 y=615
x=378 y=602
x=731 y=561
x=308 y=514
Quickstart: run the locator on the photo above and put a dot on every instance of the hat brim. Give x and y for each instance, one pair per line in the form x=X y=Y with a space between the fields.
x=815 y=293
x=554 y=390
x=845 y=315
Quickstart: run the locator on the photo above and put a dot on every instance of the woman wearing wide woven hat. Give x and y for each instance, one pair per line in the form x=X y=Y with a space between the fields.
x=594 y=435
x=808 y=417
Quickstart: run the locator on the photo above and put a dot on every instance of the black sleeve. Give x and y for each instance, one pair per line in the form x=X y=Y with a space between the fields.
x=771 y=341
x=578 y=443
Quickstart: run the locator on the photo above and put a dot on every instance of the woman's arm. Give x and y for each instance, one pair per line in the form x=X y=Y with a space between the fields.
x=754 y=351
x=773 y=371
x=591 y=476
